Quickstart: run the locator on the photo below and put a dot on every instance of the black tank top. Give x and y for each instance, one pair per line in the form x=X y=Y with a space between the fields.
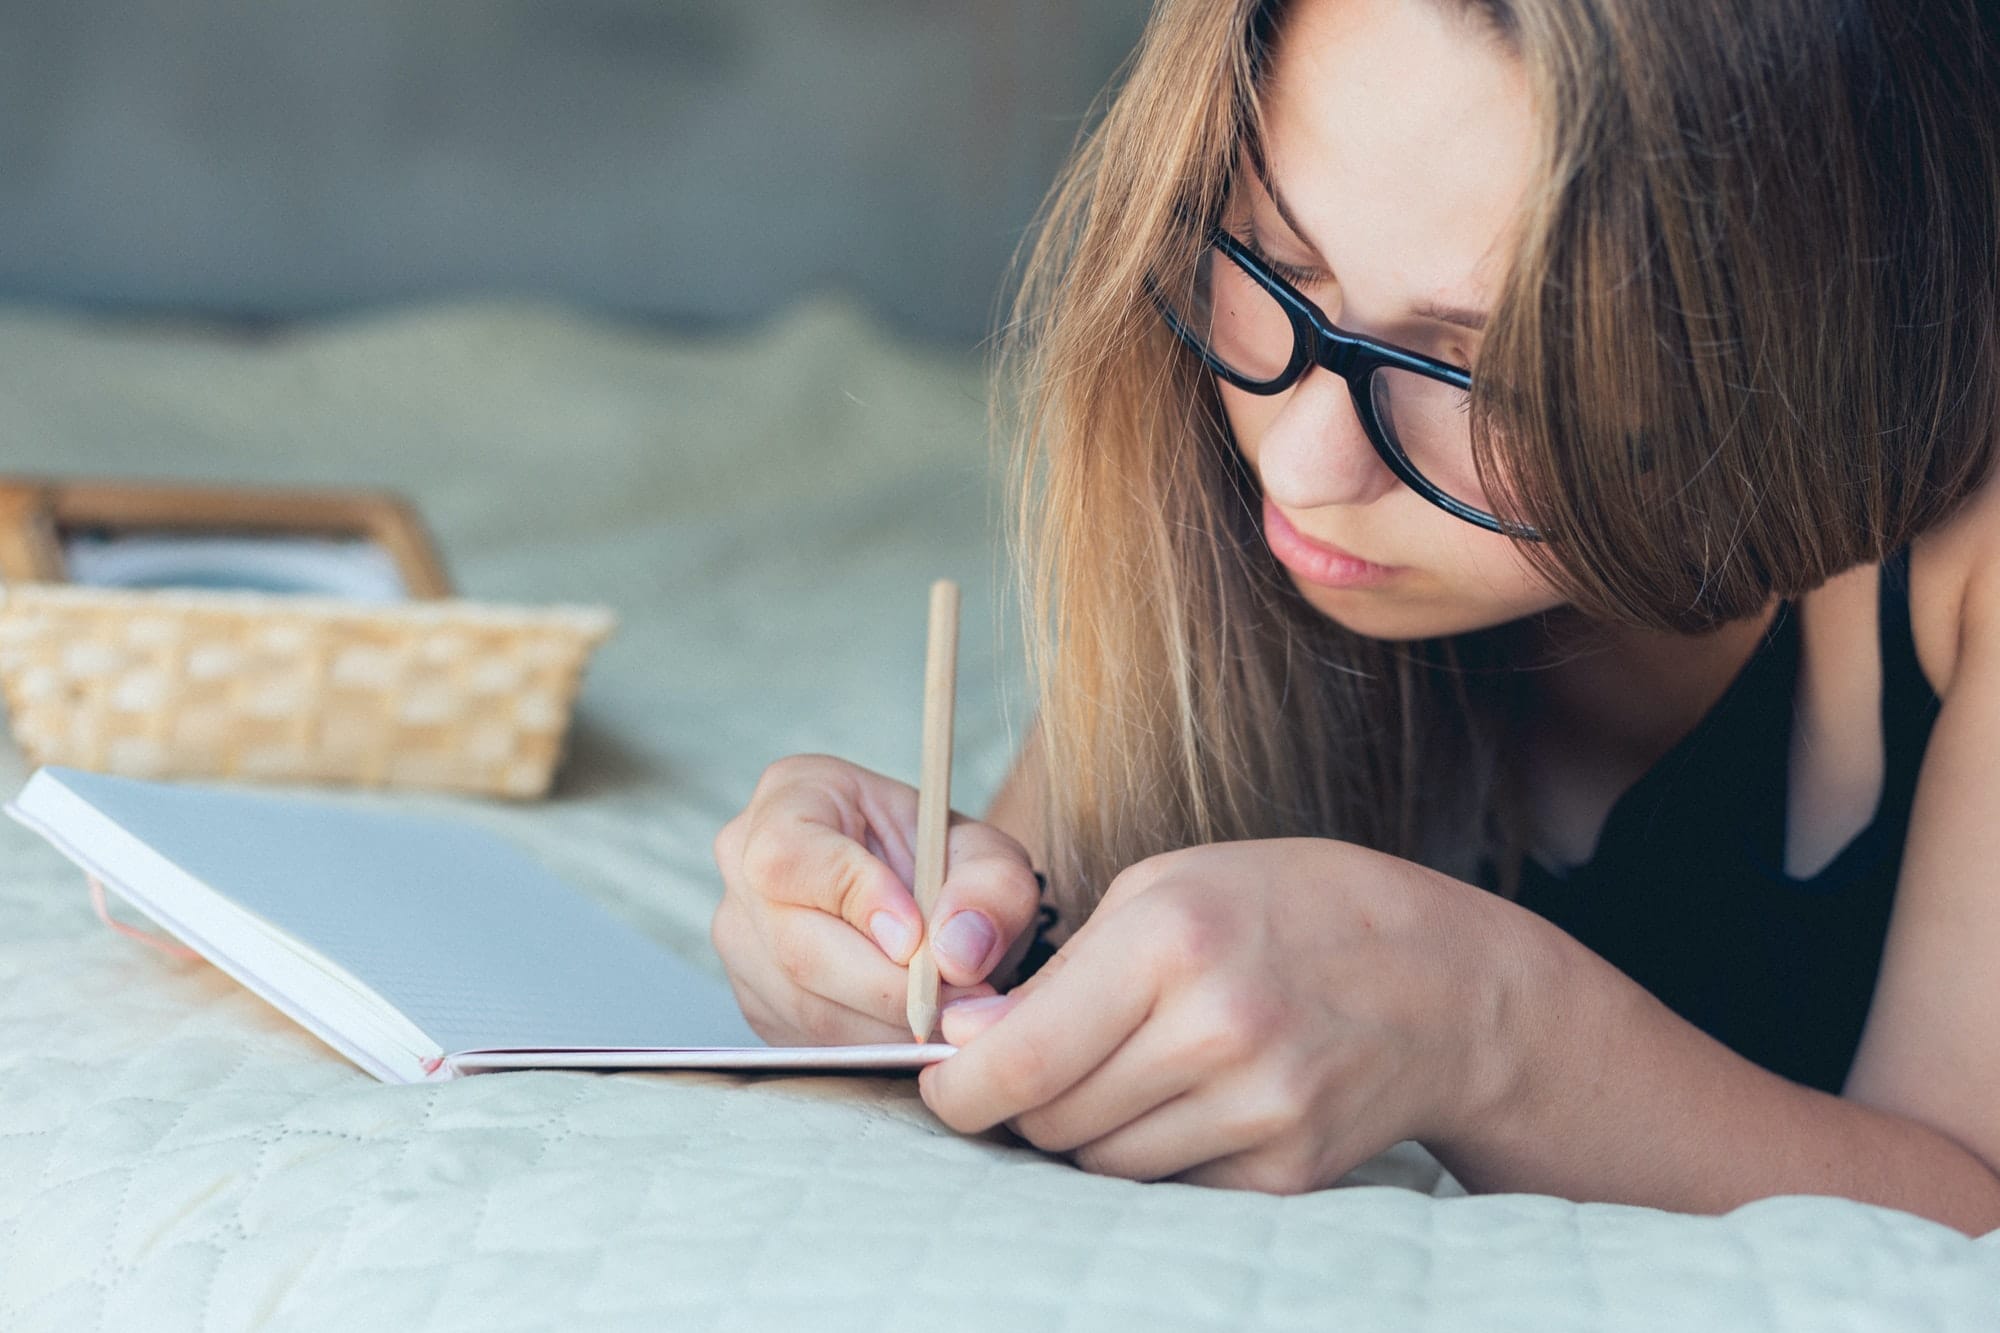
x=1687 y=891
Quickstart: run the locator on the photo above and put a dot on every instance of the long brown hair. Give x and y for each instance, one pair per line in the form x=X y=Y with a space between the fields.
x=1747 y=341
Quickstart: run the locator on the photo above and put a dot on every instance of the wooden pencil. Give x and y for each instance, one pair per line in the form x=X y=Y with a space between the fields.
x=933 y=798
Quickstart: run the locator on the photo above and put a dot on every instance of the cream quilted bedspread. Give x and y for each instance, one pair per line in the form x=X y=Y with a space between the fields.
x=765 y=513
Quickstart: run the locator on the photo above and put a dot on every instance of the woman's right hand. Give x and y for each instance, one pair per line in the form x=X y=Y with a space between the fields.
x=817 y=922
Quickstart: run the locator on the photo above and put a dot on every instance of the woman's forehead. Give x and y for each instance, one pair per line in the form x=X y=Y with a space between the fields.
x=1401 y=136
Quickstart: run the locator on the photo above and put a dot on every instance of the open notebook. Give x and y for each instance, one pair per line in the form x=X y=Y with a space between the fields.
x=417 y=948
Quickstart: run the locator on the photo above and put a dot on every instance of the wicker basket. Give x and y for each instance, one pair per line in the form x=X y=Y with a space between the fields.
x=445 y=694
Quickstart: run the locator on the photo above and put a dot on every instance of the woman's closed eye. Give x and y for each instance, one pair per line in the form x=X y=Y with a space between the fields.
x=1312 y=281
x=1297 y=276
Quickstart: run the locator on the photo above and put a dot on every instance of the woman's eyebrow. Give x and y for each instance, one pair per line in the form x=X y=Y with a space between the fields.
x=1278 y=201
x=1463 y=316
x=1474 y=320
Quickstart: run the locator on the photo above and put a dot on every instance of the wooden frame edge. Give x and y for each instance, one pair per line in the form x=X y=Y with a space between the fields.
x=34 y=512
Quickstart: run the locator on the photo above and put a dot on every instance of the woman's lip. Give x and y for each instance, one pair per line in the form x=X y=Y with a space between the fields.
x=1316 y=562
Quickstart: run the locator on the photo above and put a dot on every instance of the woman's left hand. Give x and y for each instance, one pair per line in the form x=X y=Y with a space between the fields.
x=1260 y=1015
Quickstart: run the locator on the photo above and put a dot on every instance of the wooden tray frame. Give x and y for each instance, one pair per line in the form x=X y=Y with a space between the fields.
x=34 y=513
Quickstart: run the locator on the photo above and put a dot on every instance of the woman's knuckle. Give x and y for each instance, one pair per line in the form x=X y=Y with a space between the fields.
x=769 y=859
x=1277 y=1110
x=761 y=1023
x=1100 y=1159
x=797 y=966
x=1234 y=1024
x=1021 y=1073
x=1036 y=1128
x=783 y=770
x=1293 y=1094
x=1048 y=1131
x=1257 y=1120
x=850 y=886
x=728 y=845
x=1004 y=890
x=1271 y=1173
x=1140 y=878
x=1092 y=1158
x=1191 y=929
x=723 y=928
x=959 y=1115
x=820 y=1022
x=786 y=774
x=987 y=876
x=1129 y=883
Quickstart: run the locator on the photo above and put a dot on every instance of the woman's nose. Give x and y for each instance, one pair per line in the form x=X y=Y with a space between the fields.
x=1315 y=451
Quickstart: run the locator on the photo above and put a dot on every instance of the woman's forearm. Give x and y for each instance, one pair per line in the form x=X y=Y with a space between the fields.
x=1017 y=807
x=1612 y=1097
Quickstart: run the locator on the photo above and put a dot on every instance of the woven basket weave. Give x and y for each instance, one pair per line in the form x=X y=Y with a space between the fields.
x=443 y=694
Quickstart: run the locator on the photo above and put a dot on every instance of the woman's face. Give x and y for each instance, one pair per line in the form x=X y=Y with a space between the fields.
x=1399 y=138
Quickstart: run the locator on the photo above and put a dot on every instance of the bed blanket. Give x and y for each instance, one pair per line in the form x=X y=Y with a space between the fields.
x=765 y=511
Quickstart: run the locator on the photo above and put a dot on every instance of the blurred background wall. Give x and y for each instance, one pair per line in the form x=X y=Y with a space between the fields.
x=698 y=161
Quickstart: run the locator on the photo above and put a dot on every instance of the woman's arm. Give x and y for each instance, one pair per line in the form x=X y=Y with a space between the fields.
x=1615 y=1098
x=1270 y=1014
x=1630 y=1103
x=1017 y=806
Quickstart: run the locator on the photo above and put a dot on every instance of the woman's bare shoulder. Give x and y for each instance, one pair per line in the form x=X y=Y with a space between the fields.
x=1955 y=584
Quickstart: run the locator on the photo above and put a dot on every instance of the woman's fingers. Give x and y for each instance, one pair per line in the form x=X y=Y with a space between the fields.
x=832 y=988
x=818 y=922
x=1244 y=1130
x=795 y=855
x=1148 y=1071
x=1042 y=1045
x=1171 y=1139
x=988 y=900
x=1150 y=1068
x=1220 y=1134
x=809 y=842
x=823 y=958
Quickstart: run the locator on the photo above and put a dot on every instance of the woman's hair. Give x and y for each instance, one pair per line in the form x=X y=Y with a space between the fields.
x=1748 y=340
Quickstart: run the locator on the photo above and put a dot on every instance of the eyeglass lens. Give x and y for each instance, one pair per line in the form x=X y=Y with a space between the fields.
x=1246 y=328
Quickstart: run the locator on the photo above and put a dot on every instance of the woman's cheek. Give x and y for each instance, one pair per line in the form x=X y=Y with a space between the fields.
x=1247 y=415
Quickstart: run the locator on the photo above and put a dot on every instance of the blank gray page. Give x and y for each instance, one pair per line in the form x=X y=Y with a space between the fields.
x=471 y=939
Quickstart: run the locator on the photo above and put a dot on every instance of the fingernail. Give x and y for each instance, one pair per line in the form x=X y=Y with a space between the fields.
x=966 y=939
x=962 y=1020
x=977 y=1004
x=893 y=934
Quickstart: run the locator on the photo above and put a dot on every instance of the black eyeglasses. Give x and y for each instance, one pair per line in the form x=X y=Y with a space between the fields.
x=1259 y=333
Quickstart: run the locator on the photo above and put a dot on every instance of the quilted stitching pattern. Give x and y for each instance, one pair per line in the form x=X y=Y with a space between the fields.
x=173 y=1155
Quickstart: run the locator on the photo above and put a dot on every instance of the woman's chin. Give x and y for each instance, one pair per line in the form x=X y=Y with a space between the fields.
x=1411 y=610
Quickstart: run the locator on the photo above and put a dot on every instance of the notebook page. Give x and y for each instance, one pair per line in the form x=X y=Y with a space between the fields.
x=472 y=940
x=288 y=975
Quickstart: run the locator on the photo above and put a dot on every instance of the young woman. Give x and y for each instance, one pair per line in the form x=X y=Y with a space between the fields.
x=1517 y=589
